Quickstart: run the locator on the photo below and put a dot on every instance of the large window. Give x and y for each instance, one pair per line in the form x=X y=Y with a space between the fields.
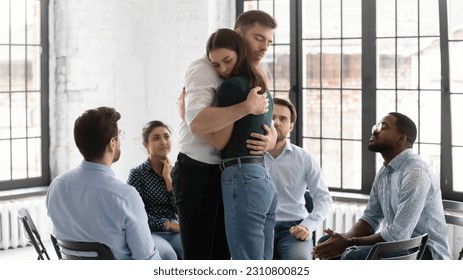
x=347 y=63
x=23 y=93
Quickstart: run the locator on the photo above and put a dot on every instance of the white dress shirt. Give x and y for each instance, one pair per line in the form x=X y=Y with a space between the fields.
x=294 y=172
x=201 y=83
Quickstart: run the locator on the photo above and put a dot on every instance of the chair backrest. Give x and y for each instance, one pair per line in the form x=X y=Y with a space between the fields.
x=454 y=216
x=72 y=250
x=308 y=202
x=411 y=249
x=32 y=234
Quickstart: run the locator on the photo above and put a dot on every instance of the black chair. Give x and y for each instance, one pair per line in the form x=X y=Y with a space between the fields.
x=67 y=250
x=412 y=249
x=32 y=234
x=309 y=206
x=454 y=216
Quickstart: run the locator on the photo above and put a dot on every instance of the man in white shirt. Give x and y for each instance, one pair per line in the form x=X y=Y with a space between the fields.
x=196 y=175
x=294 y=171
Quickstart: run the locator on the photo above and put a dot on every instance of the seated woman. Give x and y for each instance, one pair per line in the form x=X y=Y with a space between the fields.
x=152 y=180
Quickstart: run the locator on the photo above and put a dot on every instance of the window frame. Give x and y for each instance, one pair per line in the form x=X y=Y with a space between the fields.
x=369 y=86
x=44 y=179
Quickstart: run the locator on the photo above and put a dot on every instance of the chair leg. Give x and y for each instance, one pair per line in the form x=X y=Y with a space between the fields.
x=461 y=254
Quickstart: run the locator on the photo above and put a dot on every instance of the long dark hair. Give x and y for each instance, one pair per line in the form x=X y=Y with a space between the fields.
x=229 y=39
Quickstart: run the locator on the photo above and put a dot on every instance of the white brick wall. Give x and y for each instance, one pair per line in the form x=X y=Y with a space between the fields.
x=131 y=55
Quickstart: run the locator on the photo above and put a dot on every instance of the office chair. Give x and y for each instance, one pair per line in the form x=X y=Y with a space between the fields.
x=86 y=250
x=413 y=249
x=32 y=234
x=451 y=219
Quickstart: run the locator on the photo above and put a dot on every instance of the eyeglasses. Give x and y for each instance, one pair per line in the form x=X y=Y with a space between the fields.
x=377 y=127
x=121 y=135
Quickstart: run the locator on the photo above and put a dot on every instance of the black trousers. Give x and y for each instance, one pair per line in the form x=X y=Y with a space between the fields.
x=198 y=197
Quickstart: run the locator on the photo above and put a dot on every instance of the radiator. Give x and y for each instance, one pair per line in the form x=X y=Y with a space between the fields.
x=341 y=217
x=11 y=232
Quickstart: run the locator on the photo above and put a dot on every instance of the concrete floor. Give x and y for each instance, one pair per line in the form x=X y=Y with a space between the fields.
x=26 y=253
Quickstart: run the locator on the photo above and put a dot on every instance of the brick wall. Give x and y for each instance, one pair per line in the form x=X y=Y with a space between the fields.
x=131 y=55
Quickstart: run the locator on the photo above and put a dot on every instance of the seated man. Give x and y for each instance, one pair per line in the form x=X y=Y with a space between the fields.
x=89 y=204
x=294 y=171
x=404 y=194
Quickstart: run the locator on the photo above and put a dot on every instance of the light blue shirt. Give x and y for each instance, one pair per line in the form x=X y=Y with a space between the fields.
x=407 y=196
x=89 y=204
x=294 y=172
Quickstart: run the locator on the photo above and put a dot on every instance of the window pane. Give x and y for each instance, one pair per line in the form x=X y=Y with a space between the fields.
x=352 y=18
x=311 y=63
x=331 y=63
x=4 y=68
x=385 y=18
x=282 y=16
x=456 y=66
x=34 y=123
x=386 y=63
x=431 y=154
x=313 y=146
x=430 y=114
x=311 y=19
x=19 y=159
x=282 y=78
x=4 y=23
x=331 y=114
x=34 y=151
x=457 y=155
x=331 y=162
x=385 y=103
x=352 y=114
x=407 y=104
x=331 y=18
x=456 y=102
x=430 y=64
x=4 y=116
x=352 y=165
x=33 y=68
x=352 y=64
x=311 y=113
x=18 y=68
x=429 y=17
x=455 y=10
x=407 y=63
x=18 y=22
x=407 y=21
x=5 y=167
x=33 y=22
x=18 y=114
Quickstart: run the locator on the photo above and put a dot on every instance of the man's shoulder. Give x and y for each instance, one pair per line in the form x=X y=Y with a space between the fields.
x=200 y=65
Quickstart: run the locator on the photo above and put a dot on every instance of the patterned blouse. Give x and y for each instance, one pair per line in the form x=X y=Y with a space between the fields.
x=159 y=203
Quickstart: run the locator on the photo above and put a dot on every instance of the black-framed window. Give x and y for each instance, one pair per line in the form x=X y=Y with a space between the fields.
x=347 y=63
x=24 y=136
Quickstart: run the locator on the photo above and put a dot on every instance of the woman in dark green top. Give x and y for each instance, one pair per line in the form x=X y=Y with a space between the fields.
x=248 y=192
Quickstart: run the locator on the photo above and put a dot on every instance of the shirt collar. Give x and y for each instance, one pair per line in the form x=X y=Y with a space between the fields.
x=97 y=166
x=396 y=162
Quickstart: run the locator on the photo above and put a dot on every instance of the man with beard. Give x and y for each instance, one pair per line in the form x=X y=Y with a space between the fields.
x=405 y=195
x=294 y=171
x=89 y=204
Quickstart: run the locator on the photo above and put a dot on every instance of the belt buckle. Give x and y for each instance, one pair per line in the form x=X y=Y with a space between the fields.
x=222 y=166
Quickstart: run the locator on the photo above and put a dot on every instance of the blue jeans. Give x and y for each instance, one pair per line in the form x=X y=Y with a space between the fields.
x=249 y=198
x=169 y=245
x=289 y=248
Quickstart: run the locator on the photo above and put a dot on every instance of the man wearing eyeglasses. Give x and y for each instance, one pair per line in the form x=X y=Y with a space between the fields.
x=405 y=195
x=89 y=204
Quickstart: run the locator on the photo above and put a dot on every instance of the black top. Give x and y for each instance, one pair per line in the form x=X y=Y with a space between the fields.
x=233 y=91
x=159 y=203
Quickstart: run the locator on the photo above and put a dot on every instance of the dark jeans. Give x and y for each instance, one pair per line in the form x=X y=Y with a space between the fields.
x=198 y=197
